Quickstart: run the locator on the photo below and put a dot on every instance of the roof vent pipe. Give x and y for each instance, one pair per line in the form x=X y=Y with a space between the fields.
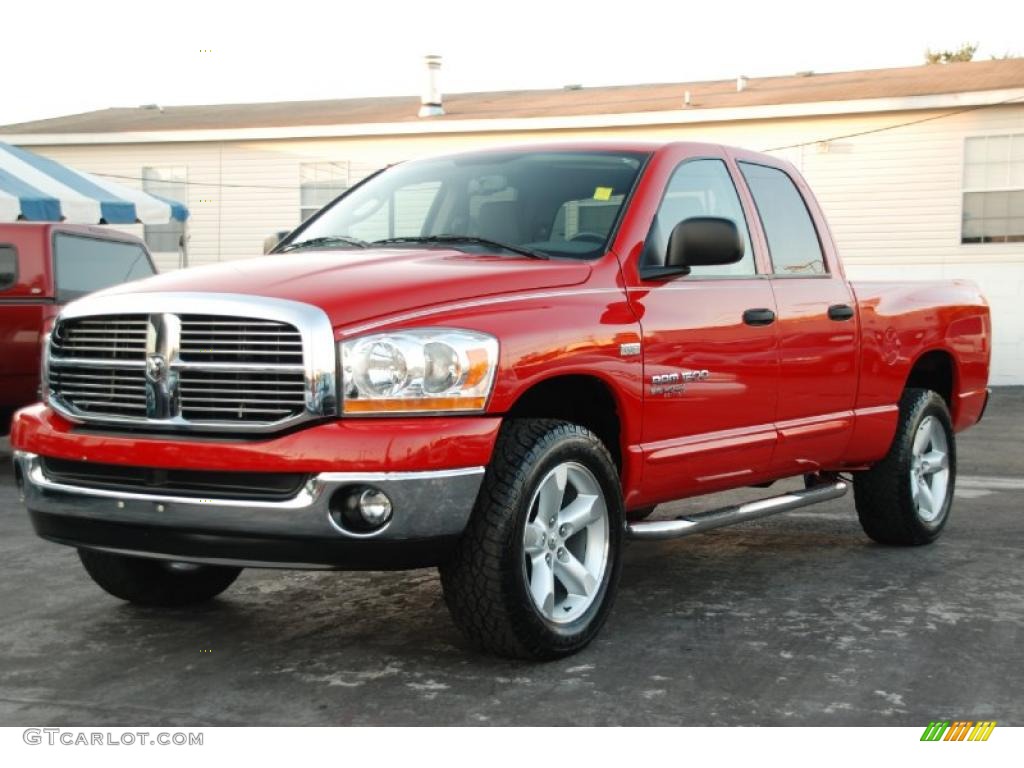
x=430 y=100
x=741 y=83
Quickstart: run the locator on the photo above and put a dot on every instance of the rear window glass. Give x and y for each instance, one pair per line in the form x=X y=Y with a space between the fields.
x=792 y=240
x=86 y=264
x=8 y=267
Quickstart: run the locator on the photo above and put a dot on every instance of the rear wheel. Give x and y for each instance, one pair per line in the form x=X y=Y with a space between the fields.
x=536 y=570
x=156 y=582
x=906 y=498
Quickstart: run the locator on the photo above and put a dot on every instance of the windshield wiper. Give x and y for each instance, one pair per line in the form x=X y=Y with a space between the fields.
x=455 y=239
x=320 y=242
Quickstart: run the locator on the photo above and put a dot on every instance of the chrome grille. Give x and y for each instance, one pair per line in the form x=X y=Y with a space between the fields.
x=104 y=337
x=204 y=370
x=241 y=396
x=120 y=391
x=205 y=338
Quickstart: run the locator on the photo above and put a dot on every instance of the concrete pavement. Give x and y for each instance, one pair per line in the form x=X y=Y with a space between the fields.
x=794 y=620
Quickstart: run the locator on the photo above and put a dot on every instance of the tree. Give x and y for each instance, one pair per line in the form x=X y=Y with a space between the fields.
x=964 y=53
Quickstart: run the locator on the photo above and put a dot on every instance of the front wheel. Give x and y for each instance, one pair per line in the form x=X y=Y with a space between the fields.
x=906 y=498
x=156 y=582
x=536 y=570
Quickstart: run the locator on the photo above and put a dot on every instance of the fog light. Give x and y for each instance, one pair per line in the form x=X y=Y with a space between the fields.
x=375 y=507
x=360 y=509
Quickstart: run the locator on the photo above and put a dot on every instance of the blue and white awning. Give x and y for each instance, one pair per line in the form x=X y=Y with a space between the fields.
x=35 y=188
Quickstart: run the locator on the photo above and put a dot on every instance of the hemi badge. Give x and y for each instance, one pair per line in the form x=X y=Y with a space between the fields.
x=629 y=349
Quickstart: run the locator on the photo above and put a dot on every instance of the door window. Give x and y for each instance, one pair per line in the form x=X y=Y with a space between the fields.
x=701 y=188
x=8 y=266
x=792 y=240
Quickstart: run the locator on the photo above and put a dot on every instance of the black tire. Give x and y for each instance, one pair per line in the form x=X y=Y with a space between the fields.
x=156 y=582
x=486 y=582
x=640 y=513
x=884 y=494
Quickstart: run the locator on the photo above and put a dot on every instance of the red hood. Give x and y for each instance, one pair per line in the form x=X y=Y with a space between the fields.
x=356 y=286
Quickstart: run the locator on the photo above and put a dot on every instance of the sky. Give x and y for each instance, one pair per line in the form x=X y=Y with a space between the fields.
x=91 y=54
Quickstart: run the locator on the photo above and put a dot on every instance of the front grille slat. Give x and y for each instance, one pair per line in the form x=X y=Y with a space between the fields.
x=224 y=333
x=232 y=343
x=187 y=321
x=243 y=400
x=231 y=370
x=114 y=348
x=66 y=374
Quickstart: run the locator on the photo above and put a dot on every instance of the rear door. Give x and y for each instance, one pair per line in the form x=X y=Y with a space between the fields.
x=710 y=357
x=817 y=322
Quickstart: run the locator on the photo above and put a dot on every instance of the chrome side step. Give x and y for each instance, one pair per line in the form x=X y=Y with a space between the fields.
x=737 y=513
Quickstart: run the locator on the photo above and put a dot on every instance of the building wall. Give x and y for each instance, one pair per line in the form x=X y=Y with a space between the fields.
x=893 y=197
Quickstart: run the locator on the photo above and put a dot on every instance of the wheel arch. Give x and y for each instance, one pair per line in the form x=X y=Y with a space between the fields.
x=580 y=398
x=936 y=369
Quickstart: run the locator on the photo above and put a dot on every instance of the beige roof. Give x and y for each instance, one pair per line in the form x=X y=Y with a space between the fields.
x=791 y=89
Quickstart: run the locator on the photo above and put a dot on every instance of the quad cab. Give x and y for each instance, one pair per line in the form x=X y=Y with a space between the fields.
x=498 y=363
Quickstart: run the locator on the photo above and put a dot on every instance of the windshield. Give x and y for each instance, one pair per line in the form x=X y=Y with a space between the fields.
x=554 y=203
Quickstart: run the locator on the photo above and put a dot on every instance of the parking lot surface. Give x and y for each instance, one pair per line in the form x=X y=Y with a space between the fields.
x=798 y=619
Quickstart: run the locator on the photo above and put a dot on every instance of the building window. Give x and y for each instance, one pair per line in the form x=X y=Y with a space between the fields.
x=319 y=183
x=170 y=183
x=993 y=210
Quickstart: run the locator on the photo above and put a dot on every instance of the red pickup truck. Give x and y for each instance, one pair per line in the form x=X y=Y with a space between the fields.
x=498 y=363
x=43 y=266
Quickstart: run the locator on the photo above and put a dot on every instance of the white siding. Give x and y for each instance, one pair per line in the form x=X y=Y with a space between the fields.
x=892 y=197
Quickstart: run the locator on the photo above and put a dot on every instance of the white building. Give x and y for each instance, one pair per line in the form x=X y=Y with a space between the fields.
x=920 y=170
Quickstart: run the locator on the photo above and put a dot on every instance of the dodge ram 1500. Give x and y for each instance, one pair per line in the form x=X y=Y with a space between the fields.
x=498 y=363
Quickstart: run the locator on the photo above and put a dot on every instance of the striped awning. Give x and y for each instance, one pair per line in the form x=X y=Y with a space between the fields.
x=36 y=188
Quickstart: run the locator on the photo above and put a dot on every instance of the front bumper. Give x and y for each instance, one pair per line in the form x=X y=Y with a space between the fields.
x=430 y=511
x=431 y=469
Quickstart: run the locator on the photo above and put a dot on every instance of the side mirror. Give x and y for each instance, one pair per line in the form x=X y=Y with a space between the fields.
x=270 y=242
x=703 y=241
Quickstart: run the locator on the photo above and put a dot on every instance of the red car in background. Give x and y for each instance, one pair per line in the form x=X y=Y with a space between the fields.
x=42 y=267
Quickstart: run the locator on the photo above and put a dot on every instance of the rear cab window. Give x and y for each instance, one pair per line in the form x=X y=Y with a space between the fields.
x=793 y=242
x=83 y=265
x=8 y=267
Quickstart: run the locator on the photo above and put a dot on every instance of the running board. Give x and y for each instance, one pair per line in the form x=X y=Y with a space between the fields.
x=738 y=513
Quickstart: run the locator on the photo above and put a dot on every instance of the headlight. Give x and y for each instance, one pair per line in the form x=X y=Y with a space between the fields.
x=418 y=371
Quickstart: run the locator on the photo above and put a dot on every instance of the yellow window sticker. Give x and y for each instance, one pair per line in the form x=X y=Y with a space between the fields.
x=603 y=193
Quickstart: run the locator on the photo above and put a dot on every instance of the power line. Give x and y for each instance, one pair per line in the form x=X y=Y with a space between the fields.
x=198 y=183
x=893 y=127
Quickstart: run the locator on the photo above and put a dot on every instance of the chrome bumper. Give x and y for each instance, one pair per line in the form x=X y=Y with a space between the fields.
x=427 y=505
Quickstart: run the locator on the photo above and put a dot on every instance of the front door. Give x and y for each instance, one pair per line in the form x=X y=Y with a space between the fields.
x=710 y=355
